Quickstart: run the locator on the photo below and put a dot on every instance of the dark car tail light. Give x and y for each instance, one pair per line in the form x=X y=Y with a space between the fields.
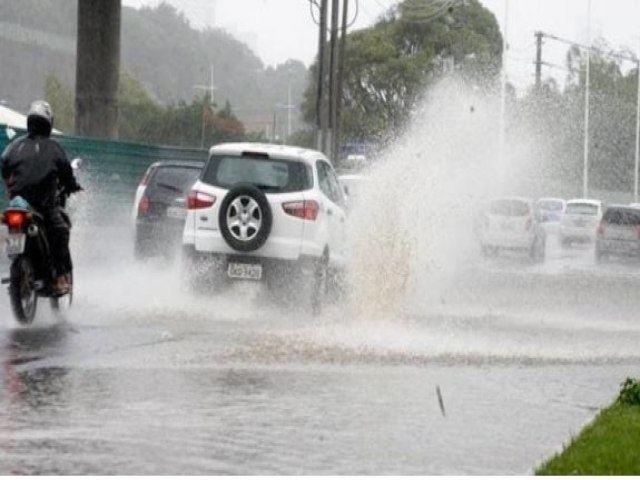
x=144 y=206
x=638 y=231
x=305 y=209
x=15 y=219
x=196 y=200
x=601 y=227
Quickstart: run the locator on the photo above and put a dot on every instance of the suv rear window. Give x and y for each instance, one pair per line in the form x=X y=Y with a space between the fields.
x=170 y=180
x=617 y=216
x=509 y=208
x=551 y=205
x=268 y=174
x=581 y=209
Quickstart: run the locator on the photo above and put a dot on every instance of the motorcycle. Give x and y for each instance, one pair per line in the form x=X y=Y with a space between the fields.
x=32 y=273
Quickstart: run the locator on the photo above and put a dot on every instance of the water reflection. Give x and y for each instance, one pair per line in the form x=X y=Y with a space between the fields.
x=26 y=378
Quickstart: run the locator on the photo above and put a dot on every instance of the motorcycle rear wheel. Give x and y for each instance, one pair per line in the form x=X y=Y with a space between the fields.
x=22 y=290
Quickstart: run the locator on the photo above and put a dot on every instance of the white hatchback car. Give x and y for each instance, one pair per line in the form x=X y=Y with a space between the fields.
x=510 y=223
x=266 y=213
x=580 y=221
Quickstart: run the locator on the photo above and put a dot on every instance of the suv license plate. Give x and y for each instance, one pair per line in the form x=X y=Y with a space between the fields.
x=14 y=243
x=245 y=271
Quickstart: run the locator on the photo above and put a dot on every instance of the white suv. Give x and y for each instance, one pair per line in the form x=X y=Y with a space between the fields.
x=265 y=213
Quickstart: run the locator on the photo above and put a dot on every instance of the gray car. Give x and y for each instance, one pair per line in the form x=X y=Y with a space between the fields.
x=619 y=232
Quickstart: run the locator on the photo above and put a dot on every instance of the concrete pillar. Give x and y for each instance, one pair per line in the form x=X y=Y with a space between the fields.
x=98 y=68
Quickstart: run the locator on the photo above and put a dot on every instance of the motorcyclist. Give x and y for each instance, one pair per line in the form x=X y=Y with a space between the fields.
x=35 y=166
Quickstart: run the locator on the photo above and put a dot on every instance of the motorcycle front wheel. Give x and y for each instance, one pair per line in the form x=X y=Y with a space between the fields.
x=22 y=290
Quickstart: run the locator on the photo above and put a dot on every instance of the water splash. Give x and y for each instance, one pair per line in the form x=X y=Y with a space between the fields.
x=412 y=227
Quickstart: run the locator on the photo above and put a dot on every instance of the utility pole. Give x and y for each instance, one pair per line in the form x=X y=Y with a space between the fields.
x=538 y=36
x=333 y=77
x=320 y=118
x=337 y=138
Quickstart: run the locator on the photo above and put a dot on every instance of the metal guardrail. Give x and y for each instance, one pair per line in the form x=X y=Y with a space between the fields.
x=112 y=169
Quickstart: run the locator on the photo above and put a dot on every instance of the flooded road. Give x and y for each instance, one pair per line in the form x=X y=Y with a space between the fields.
x=143 y=377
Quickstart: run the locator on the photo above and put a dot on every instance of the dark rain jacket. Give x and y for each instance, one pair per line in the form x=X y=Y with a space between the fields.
x=33 y=166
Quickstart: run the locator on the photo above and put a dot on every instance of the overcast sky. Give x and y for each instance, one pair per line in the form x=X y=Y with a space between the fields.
x=281 y=29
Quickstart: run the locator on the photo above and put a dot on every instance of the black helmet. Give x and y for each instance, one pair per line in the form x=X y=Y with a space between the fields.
x=40 y=118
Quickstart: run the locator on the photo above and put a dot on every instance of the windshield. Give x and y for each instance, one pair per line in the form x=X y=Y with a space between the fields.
x=172 y=180
x=268 y=174
x=550 y=205
x=622 y=217
x=581 y=209
x=509 y=208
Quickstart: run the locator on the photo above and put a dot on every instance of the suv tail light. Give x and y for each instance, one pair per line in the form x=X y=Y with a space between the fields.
x=14 y=219
x=144 y=206
x=601 y=227
x=638 y=231
x=196 y=200
x=305 y=209
x=527 y=225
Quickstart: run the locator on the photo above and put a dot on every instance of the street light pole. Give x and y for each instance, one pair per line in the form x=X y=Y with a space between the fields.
x=503 y=94
x=637 y=157
x=585 y=172
x=210 y=88
x=289 y=106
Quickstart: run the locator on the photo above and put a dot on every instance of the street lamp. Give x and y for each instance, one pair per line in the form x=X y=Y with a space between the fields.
x=637 y=155
x=289 y=106
x=503 y=94
x=585 y=170
x=210 y=89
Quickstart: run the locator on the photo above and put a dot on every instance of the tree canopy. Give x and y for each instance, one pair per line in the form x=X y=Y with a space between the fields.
x=389 y=65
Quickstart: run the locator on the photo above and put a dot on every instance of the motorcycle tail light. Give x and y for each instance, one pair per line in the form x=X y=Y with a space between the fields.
x=14 y=219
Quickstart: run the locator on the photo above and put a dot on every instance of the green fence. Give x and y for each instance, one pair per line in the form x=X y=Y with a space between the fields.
x=112 y=169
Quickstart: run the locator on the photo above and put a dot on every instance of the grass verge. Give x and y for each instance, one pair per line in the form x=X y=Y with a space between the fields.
x=610 y=445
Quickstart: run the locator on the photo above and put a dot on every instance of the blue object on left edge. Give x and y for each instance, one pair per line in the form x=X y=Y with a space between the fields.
x=19 y=203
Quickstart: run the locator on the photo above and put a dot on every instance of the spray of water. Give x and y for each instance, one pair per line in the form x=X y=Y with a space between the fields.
x=413 y=225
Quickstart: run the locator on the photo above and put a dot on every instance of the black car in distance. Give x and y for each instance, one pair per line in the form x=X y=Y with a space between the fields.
x=160 y=207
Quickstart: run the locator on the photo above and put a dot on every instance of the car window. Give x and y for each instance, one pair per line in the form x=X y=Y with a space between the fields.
x=509 y=208
x=172 y=180
x=581 y=209
x=622 y=217
x=550 y=205
x=323 y=179
x=271 y=175
x=328 y=182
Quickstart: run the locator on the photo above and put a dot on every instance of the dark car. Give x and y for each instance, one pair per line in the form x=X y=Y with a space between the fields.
x=619 y=232
x=160 y=208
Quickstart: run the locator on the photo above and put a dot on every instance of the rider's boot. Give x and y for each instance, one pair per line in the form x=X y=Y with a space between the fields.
x=61 y=285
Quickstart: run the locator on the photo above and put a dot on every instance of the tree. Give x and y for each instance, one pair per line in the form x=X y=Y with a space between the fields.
x=389 y=66
x=61 y=98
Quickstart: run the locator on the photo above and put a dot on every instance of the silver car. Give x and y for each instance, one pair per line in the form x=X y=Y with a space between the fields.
x=618 y=232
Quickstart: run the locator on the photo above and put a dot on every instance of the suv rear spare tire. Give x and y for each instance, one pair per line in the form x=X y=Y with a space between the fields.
x=245 y=218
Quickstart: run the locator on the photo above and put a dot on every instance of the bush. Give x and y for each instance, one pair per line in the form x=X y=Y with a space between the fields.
x=630 y=392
